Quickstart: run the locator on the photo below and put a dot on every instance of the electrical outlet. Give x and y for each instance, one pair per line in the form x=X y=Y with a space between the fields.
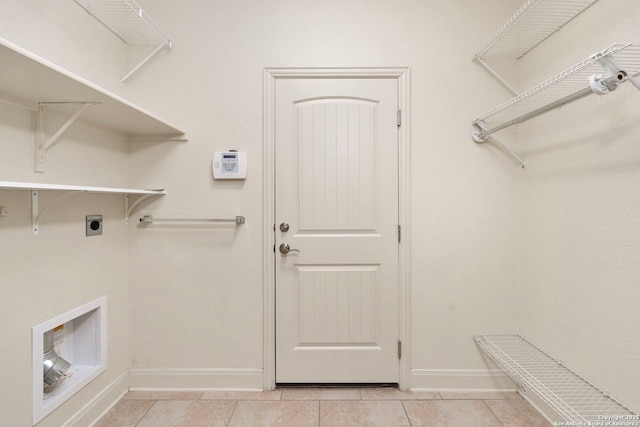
x=94 y=225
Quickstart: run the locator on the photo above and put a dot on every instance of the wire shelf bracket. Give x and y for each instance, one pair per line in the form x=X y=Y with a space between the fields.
x=532 y=24
x=129 y=23
x=570 y=396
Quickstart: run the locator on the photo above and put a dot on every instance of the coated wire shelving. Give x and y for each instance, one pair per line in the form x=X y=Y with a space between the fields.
x=600 y=73
x=572 y=397
x=130 y=23
x=532 y=24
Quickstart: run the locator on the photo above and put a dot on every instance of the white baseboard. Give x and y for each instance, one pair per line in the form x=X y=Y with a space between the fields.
x=196 y=379
x=252 y=379
x=101 y=403
x=460 y=380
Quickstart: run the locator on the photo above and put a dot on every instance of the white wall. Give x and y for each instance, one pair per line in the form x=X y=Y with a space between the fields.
x=202 y=290
x=46 y=275
x=579 y=223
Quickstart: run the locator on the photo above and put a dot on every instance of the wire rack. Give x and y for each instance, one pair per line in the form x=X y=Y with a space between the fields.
x=564 y=84
x=126 y=20
x=572 y=397
x=532 y=24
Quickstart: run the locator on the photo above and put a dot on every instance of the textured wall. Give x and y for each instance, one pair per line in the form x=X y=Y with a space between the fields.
x=203 y=290
x=579 y=224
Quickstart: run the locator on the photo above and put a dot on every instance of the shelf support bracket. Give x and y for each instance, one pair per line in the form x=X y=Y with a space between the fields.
x=128 y=208
x=144 y=61
x=43 y=144
x=495 y=74
x=37 y=213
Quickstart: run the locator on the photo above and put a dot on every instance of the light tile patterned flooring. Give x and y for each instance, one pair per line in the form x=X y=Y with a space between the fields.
x=319 y=407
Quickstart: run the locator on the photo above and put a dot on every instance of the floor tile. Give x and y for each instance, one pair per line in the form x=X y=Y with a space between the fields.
x=480 y=395
x=251 y=413
x=125 y=413
x=320 y=394
x=189 y=413
x=450 y=413
x=517 y=413
x=163 y=395
x=396 y=394
x=242 y=395
x=362 y=413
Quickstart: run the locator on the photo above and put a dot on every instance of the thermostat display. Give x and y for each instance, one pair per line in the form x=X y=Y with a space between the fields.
x=229 y=165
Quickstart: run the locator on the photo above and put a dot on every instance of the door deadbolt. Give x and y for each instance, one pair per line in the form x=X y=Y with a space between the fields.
x=284 y=227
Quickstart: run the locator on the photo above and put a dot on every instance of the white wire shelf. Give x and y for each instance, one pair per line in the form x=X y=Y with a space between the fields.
x=572 y=397
x=531 y=25
x=567 y=86
x=130 y=23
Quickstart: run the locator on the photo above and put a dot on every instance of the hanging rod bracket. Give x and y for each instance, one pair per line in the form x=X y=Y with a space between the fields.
x=480 y=137
x=42 y=143
x=128 y=208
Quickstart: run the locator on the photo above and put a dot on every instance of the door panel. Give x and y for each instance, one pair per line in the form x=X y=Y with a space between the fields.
x=336 y=144
x=337 y=189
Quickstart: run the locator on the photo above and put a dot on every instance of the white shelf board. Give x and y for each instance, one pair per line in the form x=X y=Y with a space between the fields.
x=64 y=191
x=12 y=185
x=529 y=26
x=28 y=78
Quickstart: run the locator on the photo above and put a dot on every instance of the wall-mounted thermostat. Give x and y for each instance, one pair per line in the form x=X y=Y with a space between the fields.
x=229 y=165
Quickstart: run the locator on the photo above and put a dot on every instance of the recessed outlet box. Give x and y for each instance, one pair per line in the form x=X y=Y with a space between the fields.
x=94 y=225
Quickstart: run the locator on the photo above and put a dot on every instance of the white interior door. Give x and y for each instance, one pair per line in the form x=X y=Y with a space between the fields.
x=336 y=208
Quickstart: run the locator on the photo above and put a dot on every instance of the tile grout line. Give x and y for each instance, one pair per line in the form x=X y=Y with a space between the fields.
x=232 y=413
x=406 y=414
x=493 y=413
x=146 y=412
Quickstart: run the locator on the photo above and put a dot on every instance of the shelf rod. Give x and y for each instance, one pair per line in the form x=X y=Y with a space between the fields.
x=523 y=118
x=149 y=219
x=610 y=82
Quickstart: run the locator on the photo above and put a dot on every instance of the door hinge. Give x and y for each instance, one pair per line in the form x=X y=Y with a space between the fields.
x=399 y=118
x=399 y=233
x=399 y=349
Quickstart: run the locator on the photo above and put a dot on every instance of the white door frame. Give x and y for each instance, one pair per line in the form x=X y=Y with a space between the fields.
x=270 y=75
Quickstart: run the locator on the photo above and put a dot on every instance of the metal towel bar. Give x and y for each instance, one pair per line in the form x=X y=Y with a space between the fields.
x=149 y=219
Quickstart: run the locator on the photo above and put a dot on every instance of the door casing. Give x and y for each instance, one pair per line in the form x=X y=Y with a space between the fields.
x=270 y=76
